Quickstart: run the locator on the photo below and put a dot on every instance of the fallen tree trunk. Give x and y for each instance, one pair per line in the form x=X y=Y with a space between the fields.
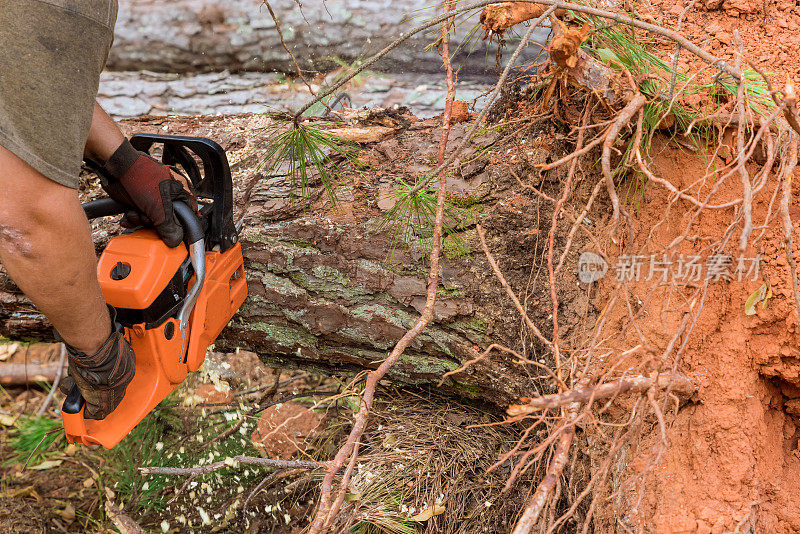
x=329 y=293
x=193 y=35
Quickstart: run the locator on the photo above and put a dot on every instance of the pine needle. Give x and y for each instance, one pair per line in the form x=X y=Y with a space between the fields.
x=302 y=150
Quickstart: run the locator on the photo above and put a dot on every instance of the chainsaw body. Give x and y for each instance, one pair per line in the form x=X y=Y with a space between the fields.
x=171 y=303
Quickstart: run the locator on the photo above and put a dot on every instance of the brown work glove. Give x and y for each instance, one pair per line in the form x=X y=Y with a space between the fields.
x=102 y=377
x=148 y=187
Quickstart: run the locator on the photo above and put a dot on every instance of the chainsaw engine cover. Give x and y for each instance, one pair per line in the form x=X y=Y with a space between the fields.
x=144 y=279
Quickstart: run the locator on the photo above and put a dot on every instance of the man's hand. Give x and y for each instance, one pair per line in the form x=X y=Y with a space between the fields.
x=150 y=188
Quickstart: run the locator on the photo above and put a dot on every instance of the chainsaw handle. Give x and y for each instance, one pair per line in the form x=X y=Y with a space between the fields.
x=192 y=227
x=74 y=402
x=206 y=165
x=106 y=207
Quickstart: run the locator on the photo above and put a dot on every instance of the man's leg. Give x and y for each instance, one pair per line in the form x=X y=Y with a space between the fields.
x=53 y=54
x=46 y=247
x=45 y=242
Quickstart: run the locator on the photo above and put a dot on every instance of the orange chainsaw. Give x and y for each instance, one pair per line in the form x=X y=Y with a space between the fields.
x=171 y=303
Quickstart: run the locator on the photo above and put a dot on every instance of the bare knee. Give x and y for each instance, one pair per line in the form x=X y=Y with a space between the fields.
x=16 y=234
x=29 y=222
x=34 y=220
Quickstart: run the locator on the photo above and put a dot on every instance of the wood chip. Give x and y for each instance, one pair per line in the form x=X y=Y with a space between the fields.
x=362 y=134
x=124 y=523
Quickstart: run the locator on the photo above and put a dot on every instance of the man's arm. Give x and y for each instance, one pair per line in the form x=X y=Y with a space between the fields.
x=147 y=186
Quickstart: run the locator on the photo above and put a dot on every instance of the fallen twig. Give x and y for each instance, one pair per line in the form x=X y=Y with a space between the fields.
x=59 y=372
x=123 y=522
x=267 y=479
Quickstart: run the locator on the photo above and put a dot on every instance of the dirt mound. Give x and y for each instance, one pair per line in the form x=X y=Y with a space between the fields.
x=733 y=452
x=769 y=30
x=732 y=458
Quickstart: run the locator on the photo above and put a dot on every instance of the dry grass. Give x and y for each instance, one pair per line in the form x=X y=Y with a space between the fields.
x=423 y=455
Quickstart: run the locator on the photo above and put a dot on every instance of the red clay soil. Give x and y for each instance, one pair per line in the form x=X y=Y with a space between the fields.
x=770 y=29
x=285 y=429
x=734 y=450
x=733 y=453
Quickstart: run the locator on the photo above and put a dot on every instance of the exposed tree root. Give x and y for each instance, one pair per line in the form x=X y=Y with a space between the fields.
x=622 y=120
x=497 y=18
x=537 y=503
x=786 y=181
x=510 y=292
x=681 y=385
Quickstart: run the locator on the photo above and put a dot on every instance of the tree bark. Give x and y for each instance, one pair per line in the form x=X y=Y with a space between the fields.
x=208 y=35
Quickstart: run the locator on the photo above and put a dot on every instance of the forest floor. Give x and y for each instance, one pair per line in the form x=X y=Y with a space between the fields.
x=734 y=449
